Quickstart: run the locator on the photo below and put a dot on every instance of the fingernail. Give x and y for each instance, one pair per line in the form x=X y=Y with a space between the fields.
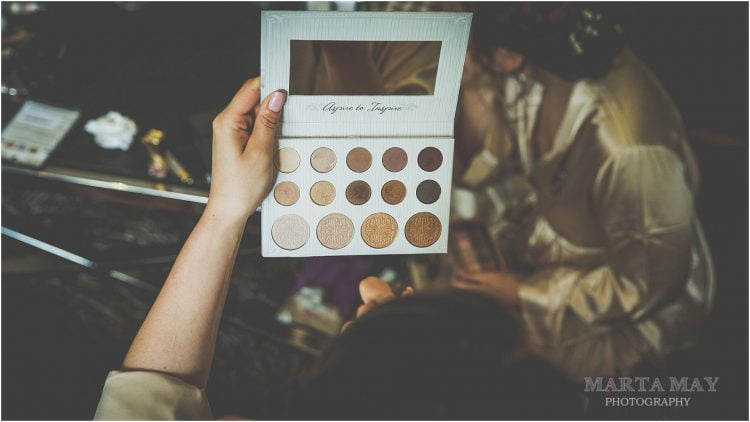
x=277 y=101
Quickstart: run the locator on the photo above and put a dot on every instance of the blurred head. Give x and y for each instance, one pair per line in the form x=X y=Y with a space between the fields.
x=445 y=355
x=571 y=40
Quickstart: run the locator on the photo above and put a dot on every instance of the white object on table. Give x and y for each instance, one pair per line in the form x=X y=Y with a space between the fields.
x=112 y=131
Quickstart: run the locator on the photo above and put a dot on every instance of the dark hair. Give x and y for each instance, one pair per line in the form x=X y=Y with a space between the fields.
x=572 y=40
x=433 y=356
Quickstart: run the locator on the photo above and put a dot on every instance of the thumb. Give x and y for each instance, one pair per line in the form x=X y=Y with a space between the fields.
x=375 y=290
x=267 y=120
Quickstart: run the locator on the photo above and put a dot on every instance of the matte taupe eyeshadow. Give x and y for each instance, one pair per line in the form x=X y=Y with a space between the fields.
x=359 y=159
x=395 y=159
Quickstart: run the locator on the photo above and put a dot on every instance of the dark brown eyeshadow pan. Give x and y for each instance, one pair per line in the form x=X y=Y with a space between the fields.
x=358 y=192
x=430 y=159
x=428 y=191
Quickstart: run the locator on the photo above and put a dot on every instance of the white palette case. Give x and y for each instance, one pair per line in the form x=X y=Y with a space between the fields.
x=422 y=121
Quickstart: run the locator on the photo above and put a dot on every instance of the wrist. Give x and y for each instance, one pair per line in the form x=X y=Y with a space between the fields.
x=225 y=216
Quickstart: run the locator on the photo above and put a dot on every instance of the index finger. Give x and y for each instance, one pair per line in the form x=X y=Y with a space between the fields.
x=246 y=98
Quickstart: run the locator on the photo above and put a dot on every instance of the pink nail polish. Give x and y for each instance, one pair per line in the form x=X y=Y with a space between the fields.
x=277 y=101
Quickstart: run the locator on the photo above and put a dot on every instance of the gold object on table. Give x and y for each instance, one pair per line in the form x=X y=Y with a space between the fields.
x=158 y=165
x=177 y=168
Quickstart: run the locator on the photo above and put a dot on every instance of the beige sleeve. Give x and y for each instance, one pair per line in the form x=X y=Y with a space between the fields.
x=645 y=208
x=144 y=395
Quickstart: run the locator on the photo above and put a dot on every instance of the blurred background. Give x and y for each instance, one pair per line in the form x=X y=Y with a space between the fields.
x=89 y=236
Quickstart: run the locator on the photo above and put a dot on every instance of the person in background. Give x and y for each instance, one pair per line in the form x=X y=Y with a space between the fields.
x=438 y=355
x=576 y=160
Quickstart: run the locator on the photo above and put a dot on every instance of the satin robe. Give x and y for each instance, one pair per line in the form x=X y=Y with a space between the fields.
x=615 y=268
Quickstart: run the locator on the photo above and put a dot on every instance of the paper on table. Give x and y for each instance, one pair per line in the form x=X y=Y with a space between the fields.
x=35 y=131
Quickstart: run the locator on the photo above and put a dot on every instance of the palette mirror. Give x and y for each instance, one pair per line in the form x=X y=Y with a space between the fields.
x=334 y=67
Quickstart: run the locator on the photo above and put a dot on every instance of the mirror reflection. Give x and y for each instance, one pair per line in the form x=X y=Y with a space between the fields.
x=363 y=67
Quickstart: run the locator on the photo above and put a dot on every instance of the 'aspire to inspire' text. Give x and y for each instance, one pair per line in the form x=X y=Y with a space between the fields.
x=374 y=107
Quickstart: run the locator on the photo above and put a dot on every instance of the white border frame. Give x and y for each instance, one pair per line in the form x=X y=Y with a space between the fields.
x=428 y=115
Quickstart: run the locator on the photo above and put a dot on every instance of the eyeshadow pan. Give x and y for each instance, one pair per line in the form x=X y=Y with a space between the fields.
x=393 y=192
x=359 y=159
x=286 y=193
x=335 y=231
x=395 y=159
x=290 y=232
x=379 y=230
x=323 y=160
x=428 y=191
x=358 y=192
x=430 y=159
x=423 y=229
x=322 y=192
x=286 y=160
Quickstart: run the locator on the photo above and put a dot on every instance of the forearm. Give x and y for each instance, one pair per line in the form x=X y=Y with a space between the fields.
x=179 y=334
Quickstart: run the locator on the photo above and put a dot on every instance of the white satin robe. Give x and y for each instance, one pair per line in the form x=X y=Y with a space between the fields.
x=620 y=271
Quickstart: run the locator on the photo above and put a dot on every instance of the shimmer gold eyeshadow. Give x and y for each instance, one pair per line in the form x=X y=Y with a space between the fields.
x=323 y=192
x=423 y=229
x=379 y=230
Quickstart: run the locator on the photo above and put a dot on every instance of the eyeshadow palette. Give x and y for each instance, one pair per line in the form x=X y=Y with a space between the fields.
x=358 y=196
x=365 y=148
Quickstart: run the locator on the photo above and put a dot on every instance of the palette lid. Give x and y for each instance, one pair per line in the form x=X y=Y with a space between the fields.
x=365 y=73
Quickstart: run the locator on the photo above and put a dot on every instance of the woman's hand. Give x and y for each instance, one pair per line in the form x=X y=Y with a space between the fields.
x=178 y=336
x=374 y=292
x=503 y=287
x=242 y=171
